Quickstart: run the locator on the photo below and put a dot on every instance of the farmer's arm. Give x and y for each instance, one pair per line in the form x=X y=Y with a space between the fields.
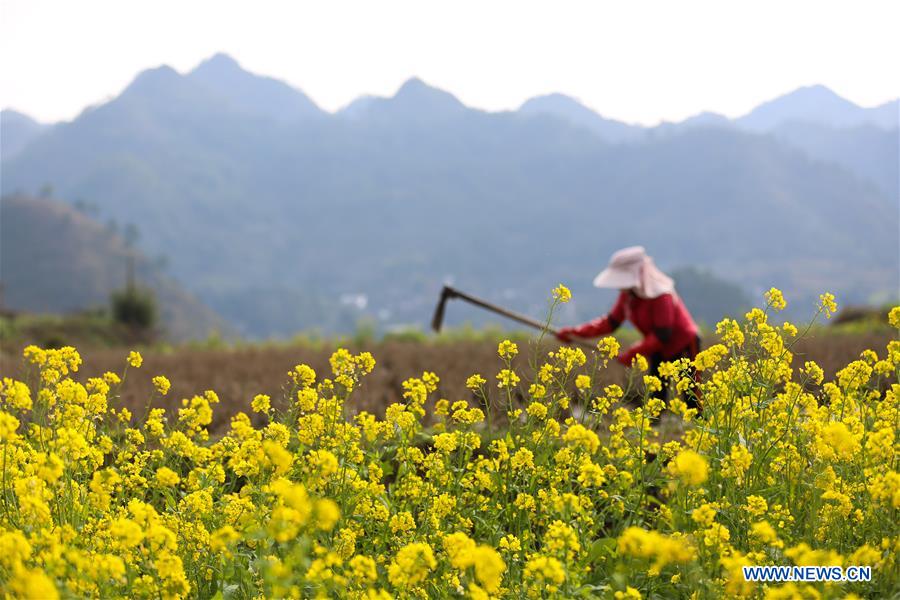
x=601 y=326
x=663 y=318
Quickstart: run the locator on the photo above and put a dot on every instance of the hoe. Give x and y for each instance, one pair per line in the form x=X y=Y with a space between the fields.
x=449 y=292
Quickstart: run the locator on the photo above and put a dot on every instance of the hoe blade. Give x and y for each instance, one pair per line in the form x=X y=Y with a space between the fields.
x=438 y=319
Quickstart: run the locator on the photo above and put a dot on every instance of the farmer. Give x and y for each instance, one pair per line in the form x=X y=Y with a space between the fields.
x=647 y=298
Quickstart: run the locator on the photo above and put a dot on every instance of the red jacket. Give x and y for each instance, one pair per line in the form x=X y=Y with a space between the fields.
x=664 y=321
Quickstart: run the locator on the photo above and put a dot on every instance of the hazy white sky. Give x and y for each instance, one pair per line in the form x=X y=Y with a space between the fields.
x=638 y=61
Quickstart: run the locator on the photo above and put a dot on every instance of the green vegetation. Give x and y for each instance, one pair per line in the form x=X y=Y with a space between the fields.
x=57 y=260
x=134 y=307
x=89 y=329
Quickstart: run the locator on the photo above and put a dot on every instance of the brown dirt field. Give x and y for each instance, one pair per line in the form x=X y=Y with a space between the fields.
x=236 y=375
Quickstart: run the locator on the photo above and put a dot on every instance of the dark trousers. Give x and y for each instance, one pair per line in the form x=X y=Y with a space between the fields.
x=690 y=351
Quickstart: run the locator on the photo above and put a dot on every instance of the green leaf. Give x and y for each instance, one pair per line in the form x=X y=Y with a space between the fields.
x=601 y=548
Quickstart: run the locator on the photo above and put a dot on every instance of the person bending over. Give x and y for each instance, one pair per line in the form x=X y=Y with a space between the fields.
x=647 y=299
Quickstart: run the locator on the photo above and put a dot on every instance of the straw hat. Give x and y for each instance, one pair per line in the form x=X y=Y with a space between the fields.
x=631 y=268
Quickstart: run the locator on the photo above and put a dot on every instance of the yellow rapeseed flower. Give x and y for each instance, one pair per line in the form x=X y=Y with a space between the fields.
x=775 y=299
x=489 y=568
x=507 y=349
x=31 y=583
x=837 y=440
x=475 y=382
x=537 y=410
x=562 y=294
x=639 y=362
x=17 y=393
x=411 y=565
x=261 y=403
x=363 y=569
x=827 y=304
x=730 y=332
x=690 y=467
x=664 y=549
x=546 y=572
x=756 y=505
x=894 y=317
x=327 y=514
x=167 y=477
x=315 y=504
x=161 y=384
x=608 y=347
x=507 y=378
x=135 y=359
x=764 y=533
x=709 y=358
x=8 y=426
x=580 y=436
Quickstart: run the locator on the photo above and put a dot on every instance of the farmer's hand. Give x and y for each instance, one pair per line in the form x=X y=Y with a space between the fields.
x=565 y=334
x=625 y=358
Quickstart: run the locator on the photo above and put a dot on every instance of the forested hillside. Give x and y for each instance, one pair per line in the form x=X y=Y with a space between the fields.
x=54 y=259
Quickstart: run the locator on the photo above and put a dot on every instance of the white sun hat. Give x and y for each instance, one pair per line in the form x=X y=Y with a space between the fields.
x=631 y=268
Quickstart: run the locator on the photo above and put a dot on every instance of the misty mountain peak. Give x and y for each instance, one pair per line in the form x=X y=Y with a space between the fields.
x=818 y=96
x=18 y=129
x=415 y=100
x=555 y=101
x=815 y=92
x=416 y=94
x=574 y=112
x=155 y=78
x=253 y=94
x=815 y=103
x=412 y=85
x=10 y=114
x=359 y=107
x=159 y=89
x=218 y=63
x=562 y=106
x=707 y=118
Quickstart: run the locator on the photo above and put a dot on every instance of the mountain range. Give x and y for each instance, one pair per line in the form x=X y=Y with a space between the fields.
x=282 y=216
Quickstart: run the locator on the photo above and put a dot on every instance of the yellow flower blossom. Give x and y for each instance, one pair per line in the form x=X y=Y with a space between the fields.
x=730 y=332
x=763 y=533
x=837 y=440
x=663 y=549
x=322 y=499
x=167 y=477
x=31 y=583
x=135 y=359
x=507 y=379
x=689 y=467
x=261 y=403
x=608 y=347
x=562 y=294
x=709 y=358
x=578 y=435
x=894 y=317
x=756 y=505
x=475 y=382
x=412 y=565
x=162 y=384
x=507 y=349
x=775 y=299
x=545 y=573
x=827 y=305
